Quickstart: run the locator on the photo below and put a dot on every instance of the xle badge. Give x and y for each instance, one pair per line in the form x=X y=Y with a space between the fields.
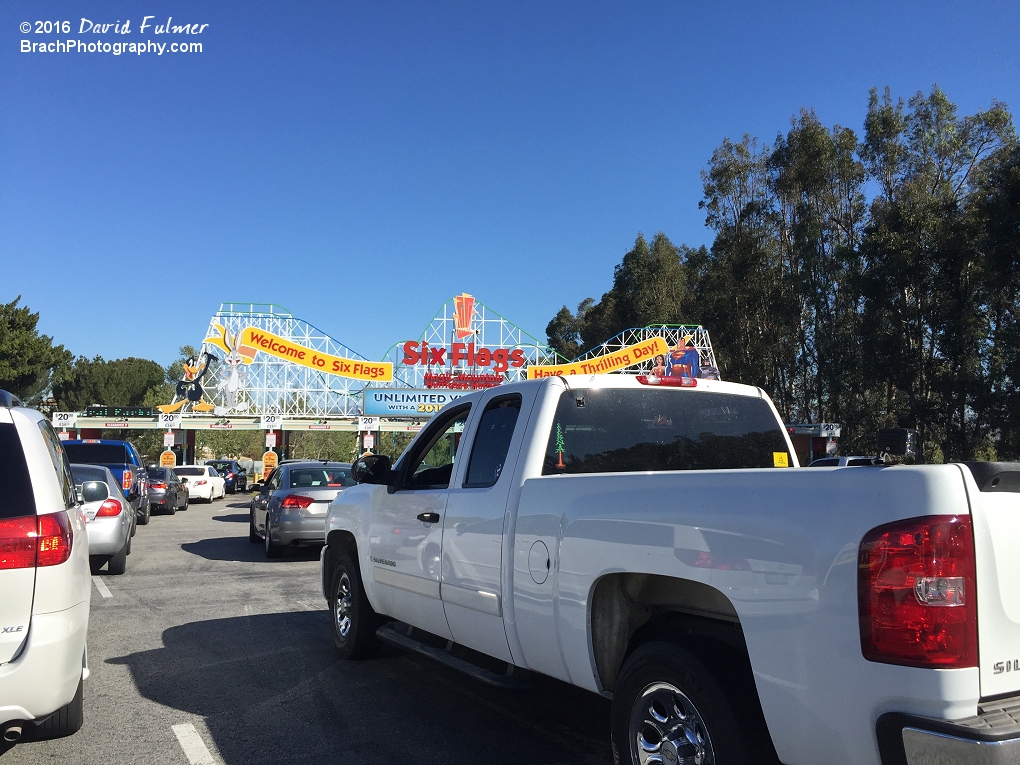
x=1006 y=666
x=18 y=628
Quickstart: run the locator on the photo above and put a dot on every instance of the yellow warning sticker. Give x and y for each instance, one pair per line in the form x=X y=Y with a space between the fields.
x=780 y=459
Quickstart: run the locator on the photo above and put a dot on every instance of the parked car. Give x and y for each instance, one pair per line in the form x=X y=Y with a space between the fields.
x=124 y=461
x=44 y=581
x=290 y=508
x=846 y=461
x=234 y=477
x=109 y=519
x=201 y=481
x=166 y=491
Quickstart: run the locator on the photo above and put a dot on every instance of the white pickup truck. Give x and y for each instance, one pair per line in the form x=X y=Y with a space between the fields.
x=658 y=544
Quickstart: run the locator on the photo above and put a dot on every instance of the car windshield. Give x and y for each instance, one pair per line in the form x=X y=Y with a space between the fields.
x=158 y=474
x=321 y=478
x=97 y=454
x=221 y=466
x=190 y=471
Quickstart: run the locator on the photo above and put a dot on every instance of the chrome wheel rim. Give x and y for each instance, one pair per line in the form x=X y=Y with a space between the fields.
x=342 y=607
x=667 y=729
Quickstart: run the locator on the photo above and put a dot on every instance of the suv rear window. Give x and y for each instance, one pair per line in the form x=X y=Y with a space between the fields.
x=16 y=496
x=97 y=454
x=626 y=430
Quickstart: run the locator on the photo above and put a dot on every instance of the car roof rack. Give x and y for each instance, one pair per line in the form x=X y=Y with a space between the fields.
x=9 y=399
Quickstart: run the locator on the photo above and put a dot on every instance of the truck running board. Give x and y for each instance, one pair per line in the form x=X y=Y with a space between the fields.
x=509 y=681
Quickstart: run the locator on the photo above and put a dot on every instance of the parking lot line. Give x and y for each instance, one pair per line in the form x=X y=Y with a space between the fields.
x=194 y=748
x=101 y=586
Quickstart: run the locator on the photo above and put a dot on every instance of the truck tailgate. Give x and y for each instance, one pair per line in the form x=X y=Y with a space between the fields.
x=994 y=489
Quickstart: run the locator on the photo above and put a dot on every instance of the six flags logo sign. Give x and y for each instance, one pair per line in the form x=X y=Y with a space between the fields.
x=423 y=354
x=463 y=315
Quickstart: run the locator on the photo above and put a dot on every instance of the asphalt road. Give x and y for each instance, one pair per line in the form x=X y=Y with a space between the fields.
x=207 y=652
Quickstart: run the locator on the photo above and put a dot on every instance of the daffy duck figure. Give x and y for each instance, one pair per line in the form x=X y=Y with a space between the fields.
x=189 y=388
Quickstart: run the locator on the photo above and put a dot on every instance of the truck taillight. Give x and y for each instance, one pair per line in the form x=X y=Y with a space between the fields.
x=35 y=540
x=916 y=593
x=296 y=500
x=109 y=508
x=126 y=481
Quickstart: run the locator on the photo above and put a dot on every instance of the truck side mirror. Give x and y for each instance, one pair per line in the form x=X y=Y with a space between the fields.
x=372 y=468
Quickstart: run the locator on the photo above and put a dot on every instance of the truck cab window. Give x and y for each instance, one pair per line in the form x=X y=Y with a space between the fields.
x=492 y=442
x=432 y=467
x=622 y=430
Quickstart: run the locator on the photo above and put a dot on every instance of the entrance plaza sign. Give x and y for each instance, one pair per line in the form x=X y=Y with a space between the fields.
x=254 y=340
x=613 y=361
x=407 y=402
x=260 y=360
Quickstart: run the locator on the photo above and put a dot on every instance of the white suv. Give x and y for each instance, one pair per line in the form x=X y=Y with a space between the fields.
x=44 y=580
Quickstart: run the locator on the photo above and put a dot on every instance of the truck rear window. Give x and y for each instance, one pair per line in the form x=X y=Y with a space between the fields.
x=97 y=454
x=623 y=430
x=16 y=496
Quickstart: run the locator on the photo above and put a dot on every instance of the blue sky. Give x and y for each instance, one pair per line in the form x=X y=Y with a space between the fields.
x=361 y=163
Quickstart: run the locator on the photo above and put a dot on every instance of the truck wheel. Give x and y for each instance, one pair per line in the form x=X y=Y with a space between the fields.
x=353 y=621
x=118 y=561
x=667 y=708
x=65 y=721
x=143 y=520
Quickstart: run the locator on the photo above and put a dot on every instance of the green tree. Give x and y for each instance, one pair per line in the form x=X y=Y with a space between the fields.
x=564 y=331
x=29 y=361
x=339 y=446
x=122 y=382
x=924 y=316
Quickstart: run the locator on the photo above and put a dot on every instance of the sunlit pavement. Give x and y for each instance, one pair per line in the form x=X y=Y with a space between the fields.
x=207 y=652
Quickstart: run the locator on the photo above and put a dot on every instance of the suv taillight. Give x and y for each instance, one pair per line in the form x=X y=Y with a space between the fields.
x=109 y=508
x=296 y=500
x=916 y=593
x=126 y=481
x=35 y=540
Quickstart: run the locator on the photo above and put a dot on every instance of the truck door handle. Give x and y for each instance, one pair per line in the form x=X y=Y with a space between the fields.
x=428 y=517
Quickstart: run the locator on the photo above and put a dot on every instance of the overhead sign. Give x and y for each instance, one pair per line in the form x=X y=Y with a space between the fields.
x=407 y=402
x=271 y=421
x=366 y=424
x=64 y=420
x=167 y=459
x=254 y=340
x=118 y=411
x=641 y=352
x=170 y=421
x=821 y=429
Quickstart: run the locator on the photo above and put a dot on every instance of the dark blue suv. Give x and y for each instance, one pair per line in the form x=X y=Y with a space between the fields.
x=234 y=477
x=124 y=462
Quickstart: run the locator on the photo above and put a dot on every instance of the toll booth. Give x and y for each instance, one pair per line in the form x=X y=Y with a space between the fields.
x=812 y=441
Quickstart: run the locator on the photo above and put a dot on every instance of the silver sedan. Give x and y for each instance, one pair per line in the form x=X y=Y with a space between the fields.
x=109 y=518
x=290 y=507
